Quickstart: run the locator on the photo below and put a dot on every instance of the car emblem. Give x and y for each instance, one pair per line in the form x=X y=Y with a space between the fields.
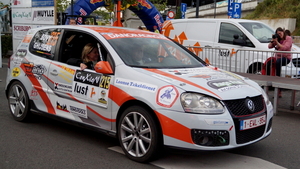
x=250 y=105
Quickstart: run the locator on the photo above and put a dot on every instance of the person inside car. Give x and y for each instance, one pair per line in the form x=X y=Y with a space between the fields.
x=137 y=57
x=89 y=57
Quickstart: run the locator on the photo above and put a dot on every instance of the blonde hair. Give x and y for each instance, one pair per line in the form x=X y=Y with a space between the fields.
x=88 y=48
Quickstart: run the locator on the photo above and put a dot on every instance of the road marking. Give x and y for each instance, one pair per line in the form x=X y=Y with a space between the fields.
x=117 y=149
x=212 y=160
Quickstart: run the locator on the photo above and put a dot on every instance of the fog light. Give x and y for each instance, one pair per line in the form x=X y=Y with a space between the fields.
x=210 y=137
x=205 y=140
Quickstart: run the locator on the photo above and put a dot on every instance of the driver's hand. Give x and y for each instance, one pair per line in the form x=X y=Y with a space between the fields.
x=83 y=66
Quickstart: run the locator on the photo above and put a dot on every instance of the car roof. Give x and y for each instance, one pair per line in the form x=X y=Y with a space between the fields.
x=214 y=19
x=99 y=29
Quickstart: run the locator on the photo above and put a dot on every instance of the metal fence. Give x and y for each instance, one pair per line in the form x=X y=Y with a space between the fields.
x=296 y=40
x=249 y=61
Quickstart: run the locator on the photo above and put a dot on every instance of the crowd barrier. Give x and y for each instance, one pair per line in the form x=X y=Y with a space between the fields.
x=253 y=64
x=248 y=61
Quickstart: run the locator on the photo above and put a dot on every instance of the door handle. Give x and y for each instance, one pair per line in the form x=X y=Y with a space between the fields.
x=207 y=46
x=54 y=73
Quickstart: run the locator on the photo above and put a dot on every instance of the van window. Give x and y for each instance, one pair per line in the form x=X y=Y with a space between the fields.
x=260 y=31
x=227 y=31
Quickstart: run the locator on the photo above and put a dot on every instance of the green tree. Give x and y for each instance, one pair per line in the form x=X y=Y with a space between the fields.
x=178 y=13
x=62 y=5
x=276 y=9
x=2 y=5
x=160 y=5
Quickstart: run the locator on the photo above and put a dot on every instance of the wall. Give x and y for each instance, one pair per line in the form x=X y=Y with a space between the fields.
x=287 y=23
x=131 y=20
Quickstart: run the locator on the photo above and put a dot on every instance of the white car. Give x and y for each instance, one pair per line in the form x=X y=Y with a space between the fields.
x=169 y=97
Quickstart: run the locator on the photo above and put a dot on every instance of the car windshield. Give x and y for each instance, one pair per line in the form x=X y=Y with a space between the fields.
x=154 y=53
x=260 y=31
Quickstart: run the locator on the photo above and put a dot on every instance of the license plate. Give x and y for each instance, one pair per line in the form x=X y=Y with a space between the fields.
x=252 y=123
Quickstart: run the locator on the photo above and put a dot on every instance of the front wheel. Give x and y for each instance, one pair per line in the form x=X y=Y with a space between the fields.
x=139 y=134
x=18 y=102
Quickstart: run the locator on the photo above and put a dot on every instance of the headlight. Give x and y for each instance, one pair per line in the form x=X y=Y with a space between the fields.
x=198 y=103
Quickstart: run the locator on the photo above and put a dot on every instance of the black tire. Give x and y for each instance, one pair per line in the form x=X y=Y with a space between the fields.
x=18 y=102
x=255 y=68
x=139 y=135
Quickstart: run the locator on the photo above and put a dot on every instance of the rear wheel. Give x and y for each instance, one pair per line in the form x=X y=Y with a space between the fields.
x=255 y=68
x=139 y=134
x=18 y=102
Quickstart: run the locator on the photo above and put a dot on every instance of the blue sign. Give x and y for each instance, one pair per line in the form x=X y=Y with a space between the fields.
x=229 y=14
x=183 y=7
x=42 y=3
x=230 y=7
x=237 y=10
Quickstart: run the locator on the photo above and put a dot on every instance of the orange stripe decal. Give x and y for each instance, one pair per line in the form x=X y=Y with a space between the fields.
x=39 y=88
x=180 y=79
x=174 y=129
x=118 y=96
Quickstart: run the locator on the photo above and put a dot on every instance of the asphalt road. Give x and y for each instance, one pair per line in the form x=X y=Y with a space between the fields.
x=45 y=143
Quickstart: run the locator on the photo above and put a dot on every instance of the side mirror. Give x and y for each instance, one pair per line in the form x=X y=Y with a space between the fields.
x=103 y=67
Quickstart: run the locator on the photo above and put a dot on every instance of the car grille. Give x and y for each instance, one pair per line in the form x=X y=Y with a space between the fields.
x=239 y=111
x=296 y=62
x=239 y=107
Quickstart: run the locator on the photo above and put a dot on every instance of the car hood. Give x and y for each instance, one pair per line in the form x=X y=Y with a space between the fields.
x=211 y=81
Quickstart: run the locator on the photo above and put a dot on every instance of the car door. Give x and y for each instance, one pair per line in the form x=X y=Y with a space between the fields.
x=36 y=65
x=227 y=59
x=79 y=95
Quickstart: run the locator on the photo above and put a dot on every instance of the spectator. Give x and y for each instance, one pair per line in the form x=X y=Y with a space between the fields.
x=287 y=32
x=72 y=21
x=281 y=42
x=155 y=29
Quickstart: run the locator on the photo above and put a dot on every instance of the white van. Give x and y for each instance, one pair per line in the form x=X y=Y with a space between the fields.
x=219 y=33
